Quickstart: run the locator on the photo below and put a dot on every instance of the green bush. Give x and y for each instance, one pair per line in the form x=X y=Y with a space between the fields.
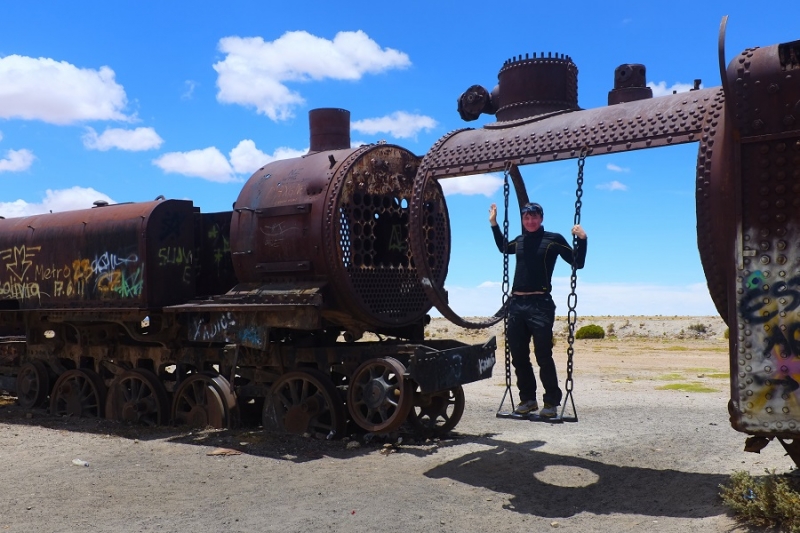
x=698 y=328
x=592 y=331
x=727 y=333
x=770 y=501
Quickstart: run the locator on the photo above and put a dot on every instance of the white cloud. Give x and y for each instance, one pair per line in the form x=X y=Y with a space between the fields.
x=209 y=164
x=16 y=161
x=245 y=158
x=597 y=299
x=485 y=184
x=189 y=92
x=58 y=92
x=131 y=140
x=661 y=89
x=613 y=186
x=616 y=168
x=400 y=125
x=55 y=201
x=254 y=72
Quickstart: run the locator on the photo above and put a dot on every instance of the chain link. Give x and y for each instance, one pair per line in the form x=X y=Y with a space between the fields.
x=572 y=299
x=506 y=283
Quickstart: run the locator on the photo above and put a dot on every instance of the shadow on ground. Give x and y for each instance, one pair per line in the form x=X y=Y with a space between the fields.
x=557 y=486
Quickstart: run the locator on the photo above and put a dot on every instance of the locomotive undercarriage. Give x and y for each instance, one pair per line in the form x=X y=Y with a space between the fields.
x=147 y=368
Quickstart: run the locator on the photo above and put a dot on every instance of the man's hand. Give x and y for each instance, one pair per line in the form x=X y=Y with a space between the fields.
x=577 y=230
x=493 y=214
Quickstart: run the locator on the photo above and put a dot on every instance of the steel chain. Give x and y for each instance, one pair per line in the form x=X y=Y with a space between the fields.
x=572 y=299
x=506 y=284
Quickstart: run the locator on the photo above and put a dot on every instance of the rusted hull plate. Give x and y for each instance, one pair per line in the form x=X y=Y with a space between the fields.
x=661 y=121
x=444 y=369
x=118 y=256
x=765 y=332
x=245 y=328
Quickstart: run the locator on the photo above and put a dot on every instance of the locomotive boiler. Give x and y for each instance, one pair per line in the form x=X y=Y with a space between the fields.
x=154 y=312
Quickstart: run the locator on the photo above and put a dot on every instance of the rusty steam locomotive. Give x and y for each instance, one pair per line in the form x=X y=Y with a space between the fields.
x=155 y=312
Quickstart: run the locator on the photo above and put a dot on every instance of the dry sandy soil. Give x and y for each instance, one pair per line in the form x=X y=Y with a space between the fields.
x=650 y=449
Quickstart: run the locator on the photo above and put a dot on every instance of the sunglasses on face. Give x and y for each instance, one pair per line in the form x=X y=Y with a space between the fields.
x=532 y=209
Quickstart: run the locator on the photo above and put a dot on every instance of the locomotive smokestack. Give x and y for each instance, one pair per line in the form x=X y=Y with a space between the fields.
x=330 y=129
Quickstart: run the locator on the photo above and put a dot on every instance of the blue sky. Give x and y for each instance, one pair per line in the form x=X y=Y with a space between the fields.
x=126 y=101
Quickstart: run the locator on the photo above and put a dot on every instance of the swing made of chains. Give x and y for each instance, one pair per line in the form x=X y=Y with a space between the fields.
x=572 y=315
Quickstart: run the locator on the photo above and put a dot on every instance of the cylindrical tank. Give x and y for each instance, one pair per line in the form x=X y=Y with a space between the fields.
x=136 y=255
x=340 y=216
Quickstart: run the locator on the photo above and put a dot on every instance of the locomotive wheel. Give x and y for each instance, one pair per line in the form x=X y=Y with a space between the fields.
x=80 y=393
x=379 y=397
x=33 y=384
x=137 y=397
x=304 y=401
x=204 y=400
x=437 y=413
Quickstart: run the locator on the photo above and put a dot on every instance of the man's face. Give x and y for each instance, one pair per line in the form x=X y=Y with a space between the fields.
x=531 y=221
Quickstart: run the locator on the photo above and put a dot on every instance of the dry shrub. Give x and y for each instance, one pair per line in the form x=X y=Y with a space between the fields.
x=592 y=331
x=768 y=501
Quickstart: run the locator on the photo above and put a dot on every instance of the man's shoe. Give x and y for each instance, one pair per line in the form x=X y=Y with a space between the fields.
x=549 y=411
x=528 y=406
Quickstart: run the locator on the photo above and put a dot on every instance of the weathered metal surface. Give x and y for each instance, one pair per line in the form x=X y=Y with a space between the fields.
x=212 y=256
x=630 y=83
x=536 y=85
x=329 y=129
x=341 y=217
x=117 y=256
x=446 y=369
x=765 y=292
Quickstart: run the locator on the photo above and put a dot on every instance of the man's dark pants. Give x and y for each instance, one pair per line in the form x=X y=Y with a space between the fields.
x=533 y=316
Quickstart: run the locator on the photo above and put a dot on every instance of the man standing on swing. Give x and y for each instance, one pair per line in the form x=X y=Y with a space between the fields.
x=531 y=311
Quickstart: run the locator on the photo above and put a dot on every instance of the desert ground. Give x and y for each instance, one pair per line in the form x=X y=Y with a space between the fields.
x=650 y=448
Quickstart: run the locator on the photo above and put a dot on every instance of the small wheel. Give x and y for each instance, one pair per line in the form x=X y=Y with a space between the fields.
x=137 y=397
x=304 y=401
x=379 y=397
x=33 y=384
x=79 y=393
x=204 y=400
x=437 y=413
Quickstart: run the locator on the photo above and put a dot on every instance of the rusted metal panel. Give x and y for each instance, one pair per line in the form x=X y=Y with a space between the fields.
x=662 y=121
x=248 y=307
x=125 y=255
x=213 y=262
x=764 y=291
x=444 y=369
x=242 y=328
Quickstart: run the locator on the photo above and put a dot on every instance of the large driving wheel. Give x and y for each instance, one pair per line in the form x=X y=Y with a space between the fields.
x=304 y=401
x=137 y=397
x=380 y=397
x=204 y=400
x=79 y=393
x=437 y=413
x=33 y=384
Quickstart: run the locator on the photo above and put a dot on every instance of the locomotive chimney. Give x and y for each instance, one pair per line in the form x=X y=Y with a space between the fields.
x=330 y=129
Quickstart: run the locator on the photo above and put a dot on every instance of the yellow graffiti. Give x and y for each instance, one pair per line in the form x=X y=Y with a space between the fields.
x=54 y=272
x=109 y=281
x=174 y=255
x=22 y=259
x=20 y=291
x=81 y=270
